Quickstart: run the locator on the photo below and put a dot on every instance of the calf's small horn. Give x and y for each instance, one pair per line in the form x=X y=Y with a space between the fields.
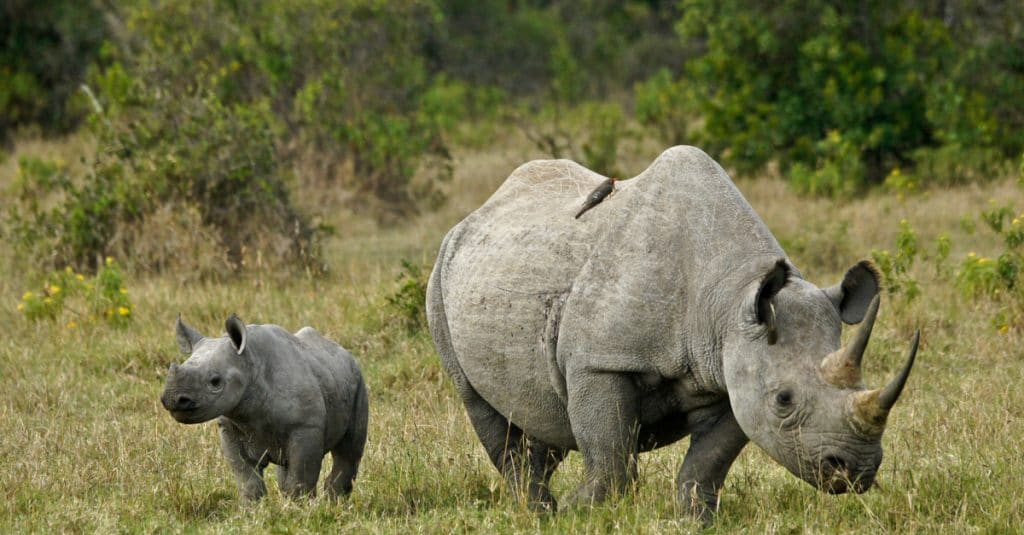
x=842 y=368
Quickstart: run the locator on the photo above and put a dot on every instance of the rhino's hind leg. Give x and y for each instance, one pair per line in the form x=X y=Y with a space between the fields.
x=525 y=464
x=714 y=445
x=349 y=451
x=604 y=418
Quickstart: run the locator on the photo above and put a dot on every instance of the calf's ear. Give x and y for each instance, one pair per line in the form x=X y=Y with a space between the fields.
x=853 y=295
x=186 y=336
x=236 y=332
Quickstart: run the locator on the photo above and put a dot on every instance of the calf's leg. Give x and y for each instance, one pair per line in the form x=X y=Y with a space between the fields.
x=248 y=472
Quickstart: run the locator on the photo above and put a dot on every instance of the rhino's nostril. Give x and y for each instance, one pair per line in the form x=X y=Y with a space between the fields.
x=185 y=403
x=834 y=464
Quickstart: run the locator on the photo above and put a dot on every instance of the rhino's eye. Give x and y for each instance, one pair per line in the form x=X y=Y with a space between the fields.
x=215 y=381
x=784 y=398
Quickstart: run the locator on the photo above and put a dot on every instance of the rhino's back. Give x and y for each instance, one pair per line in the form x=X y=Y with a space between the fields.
x=312 y=380
x=520 y=266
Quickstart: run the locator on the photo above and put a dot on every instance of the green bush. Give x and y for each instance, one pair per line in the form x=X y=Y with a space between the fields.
x=78 y=300
x=840 y=94
x=895 y=265
x=666 y=105
x=839 y=170
x=408 y=303
x=1000 y=278
x=45 y=48
x=163 y=150
x=605 y=127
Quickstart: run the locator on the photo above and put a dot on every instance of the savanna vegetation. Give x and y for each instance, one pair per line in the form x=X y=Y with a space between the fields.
x=299 y=162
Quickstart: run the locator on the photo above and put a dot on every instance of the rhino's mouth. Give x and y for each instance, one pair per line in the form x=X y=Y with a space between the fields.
x=835 y=477
x=189 y=416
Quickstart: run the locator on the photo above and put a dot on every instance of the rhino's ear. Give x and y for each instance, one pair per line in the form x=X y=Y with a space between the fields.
x=236 y=332
x=186 y=336
x=771 y=283
x=852 y=296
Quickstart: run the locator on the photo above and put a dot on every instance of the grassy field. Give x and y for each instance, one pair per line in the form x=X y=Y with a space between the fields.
x=86 y=447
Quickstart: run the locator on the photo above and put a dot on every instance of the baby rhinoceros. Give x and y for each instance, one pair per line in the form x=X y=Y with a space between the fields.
x=280 y=398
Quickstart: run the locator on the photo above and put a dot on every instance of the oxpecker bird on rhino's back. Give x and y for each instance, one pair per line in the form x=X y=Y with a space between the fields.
x=604 y=189
x=675 y=313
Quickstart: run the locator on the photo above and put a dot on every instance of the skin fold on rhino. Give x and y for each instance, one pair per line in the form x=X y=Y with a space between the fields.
x=670 y=310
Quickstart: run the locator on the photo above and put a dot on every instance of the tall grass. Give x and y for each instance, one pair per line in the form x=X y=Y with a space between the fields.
x=86 y=447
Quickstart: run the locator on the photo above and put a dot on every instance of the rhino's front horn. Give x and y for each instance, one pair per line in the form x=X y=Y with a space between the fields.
x=871 y=407
x=842 y=368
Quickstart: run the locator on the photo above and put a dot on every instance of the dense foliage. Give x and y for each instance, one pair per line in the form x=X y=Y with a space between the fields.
x=205 y=109
x=45 y=48
x=842 y=93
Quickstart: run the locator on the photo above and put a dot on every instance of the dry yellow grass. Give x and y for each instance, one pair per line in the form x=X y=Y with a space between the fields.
x=86 y=447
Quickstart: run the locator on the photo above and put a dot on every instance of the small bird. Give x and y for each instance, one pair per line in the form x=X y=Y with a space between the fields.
x=600 y=192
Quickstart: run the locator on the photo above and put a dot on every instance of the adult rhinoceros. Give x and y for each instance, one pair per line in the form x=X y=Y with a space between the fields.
x=668 y=310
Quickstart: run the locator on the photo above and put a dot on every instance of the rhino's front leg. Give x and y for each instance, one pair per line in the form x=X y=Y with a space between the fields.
x=305 y=455
x=714 y=445
x=603 y=414
x=248 y=471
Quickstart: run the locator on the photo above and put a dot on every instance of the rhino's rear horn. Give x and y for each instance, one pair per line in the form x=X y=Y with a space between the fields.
x=871 y=407
x=892 y=391
x=842 y=368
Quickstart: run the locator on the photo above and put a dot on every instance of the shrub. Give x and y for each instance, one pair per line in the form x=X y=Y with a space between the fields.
x=895 y=265
x=45 y=48
x=838 y=172
x=408 y=303
x=160 y=151
x=1000 y=278
x=666 y=105
x=76 y=300
x=898 y=83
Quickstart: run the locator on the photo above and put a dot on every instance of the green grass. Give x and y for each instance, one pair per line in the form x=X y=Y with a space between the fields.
x=86 y=447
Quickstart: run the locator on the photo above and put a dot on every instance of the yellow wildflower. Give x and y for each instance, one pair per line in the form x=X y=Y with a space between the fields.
x=72 y=324
x=21 y=306
x=80 y=277
x=48 y=301
x=110 y=260
x=27 y=296
x=124 y=311
x=68 y=270
x=1004 y=328
x=124 y=291
x=971 y=254
x=54 y=289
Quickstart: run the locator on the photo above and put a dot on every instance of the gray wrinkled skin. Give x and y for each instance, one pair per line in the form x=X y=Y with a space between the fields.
x=280 y=398
x=642 y=322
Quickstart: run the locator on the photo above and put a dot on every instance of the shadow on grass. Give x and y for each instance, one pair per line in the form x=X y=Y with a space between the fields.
x=201 y=506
